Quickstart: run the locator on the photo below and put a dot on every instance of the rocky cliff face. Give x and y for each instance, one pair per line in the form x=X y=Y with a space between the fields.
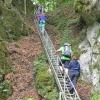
x=90 y=47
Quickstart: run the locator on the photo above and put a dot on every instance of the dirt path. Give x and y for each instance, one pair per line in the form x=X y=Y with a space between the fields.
x=23 y=53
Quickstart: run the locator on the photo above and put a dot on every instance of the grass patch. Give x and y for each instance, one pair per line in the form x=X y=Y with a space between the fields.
x=95 y=96
x=45 y=82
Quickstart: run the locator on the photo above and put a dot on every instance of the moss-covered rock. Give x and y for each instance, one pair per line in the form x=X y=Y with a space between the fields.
x=5 y=90
x=12 y=28
x=5 y=63
x=45 y=82
x=89 y=10
x=5 y=67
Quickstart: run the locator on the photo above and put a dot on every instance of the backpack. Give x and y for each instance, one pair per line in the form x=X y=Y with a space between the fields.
x=67 y=50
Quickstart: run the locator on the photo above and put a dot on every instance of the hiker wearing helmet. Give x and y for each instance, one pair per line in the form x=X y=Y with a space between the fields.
x=66 y=54
x=74 y=73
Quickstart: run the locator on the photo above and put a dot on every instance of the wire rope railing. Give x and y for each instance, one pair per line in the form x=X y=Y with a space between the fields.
x=54 y=59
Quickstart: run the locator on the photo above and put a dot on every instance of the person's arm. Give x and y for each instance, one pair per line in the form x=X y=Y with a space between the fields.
x=58 y=50
x=79 y=69
x=68 y=66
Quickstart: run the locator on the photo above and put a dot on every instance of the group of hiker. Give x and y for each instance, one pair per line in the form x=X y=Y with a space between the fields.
x=41 y=18
x=69 y=63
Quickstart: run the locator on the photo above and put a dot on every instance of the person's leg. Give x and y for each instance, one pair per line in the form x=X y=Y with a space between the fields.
x=61 y=66
x=71 y=76
x=74 y=81
x=40 y=25
x=43 y=28
x=66 y=64
x=66 y=71
x=75 y=78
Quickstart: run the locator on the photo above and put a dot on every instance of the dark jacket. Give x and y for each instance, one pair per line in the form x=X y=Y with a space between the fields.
x=74 y=66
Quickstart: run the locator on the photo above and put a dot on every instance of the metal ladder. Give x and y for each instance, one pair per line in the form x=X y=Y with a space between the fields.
x=54 y=59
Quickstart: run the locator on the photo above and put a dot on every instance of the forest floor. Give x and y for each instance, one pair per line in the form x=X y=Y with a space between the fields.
x=23 y=53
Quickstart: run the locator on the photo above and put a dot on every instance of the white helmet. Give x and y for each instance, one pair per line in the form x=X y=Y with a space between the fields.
x=66 y=44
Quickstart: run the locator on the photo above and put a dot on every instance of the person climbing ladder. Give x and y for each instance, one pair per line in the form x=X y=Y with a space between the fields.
x=65 y=57
x=42 y=22
x=74 y=73
x=39 y=8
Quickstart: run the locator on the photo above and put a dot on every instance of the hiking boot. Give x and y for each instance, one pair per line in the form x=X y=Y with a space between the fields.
x=71 y=90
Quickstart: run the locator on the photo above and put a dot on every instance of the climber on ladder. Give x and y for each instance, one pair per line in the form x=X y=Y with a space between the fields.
x=39 y=8
x=38 y=12
x=65 y=57
x=74 y=73
x=42 y=22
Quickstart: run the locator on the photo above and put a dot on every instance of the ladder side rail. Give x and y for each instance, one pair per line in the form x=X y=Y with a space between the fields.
x=50 y=41
x=42 y=39
x=36 y=23
x=76 y=94
x=52 y=49
x=55 y=50
x=67 y=74
x=44 y=45
x=49 y=59
x=57 y=79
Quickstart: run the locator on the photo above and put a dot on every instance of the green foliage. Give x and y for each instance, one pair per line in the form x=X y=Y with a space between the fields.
x=98 y=35
x=51 y=4
x=26 y=99
x=5 y=90
x=17 y=45
x=42 y=77
x=0 y=9
x=45 y=81
x=66 y=37
x=30 y=99
x=19 y=4
x=5 y=63
x=5 y=67
x=82 y=5
x=66 y=21
x=11 y=26
x=95 y=96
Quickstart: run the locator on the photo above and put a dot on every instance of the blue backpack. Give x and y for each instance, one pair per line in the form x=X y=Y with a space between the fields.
x=67 y=50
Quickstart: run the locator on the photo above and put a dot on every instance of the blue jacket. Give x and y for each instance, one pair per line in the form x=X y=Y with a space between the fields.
x=43 y=18
x=74 y=66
